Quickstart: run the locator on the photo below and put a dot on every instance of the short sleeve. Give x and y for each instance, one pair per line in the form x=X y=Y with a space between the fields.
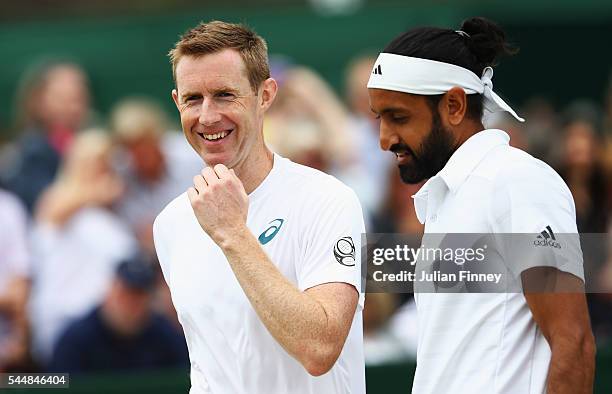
x=332 y=242
x=533 y=204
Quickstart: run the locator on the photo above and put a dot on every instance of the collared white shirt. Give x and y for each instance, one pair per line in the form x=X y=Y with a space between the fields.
x=487 y=342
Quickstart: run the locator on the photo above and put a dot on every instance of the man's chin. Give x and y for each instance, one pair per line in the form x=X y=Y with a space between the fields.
x=214 y=159
x=411 y=175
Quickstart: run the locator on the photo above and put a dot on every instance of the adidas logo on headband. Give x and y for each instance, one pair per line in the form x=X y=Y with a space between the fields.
x=377 y=70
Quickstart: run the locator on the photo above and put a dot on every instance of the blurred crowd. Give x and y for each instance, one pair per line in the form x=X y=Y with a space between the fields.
x=80 y=287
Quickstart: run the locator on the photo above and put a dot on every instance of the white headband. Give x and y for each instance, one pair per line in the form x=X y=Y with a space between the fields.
x=429 y=77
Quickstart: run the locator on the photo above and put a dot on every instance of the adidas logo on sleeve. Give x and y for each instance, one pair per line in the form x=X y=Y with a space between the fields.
x=547 y=238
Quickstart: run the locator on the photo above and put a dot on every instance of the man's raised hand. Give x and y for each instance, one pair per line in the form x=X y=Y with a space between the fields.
x=219 y=202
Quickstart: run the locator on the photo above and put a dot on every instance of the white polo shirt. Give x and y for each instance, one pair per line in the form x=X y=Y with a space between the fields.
x=310 y=226
x=487 y=342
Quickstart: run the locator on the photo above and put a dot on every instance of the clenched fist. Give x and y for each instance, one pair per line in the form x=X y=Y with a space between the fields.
x=219 y=202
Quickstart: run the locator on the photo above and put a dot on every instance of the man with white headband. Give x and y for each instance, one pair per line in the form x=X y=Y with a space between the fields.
x=430 y=88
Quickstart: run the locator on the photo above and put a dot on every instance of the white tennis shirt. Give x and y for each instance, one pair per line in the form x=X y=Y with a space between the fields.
x=487 y=342
x=310 y=225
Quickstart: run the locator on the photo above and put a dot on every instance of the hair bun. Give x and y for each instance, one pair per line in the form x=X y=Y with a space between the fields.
x=487 y=40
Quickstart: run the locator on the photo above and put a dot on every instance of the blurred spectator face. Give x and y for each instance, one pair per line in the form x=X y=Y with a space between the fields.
x=221 y=115
x=299 y=139
x=63 y=100
x=139 y=125
x=356 y=86
x=147 y=157
x=580 y=145
x=89 y=158
x=128 y=307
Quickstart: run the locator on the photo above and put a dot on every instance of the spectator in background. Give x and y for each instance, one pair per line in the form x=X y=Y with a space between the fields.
x=122 y=333
x=541 y=128
x=395 y=215
x=308 y=123
x=389 y=319
x=53 y=104
x=582 y=169
x=607 y=135
x=14 y=283
x=369 y=176
x=77 y=240
x=157 y=164
x=600 y=303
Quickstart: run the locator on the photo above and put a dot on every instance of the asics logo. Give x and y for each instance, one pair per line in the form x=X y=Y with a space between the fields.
x=271 y=231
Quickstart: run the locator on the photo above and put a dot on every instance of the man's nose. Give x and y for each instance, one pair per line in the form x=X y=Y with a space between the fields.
x=209 y=113
x=387 y=138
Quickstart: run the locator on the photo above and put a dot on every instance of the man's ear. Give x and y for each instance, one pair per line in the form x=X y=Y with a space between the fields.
x=455 y=106
x=175 y=98
x=269 y=87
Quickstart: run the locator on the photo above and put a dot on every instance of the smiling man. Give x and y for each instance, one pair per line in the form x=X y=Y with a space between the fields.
x=429 y=88
x=261 y=255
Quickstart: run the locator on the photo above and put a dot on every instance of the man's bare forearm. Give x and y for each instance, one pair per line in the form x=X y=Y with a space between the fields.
x=572 y=365
x=301 y=323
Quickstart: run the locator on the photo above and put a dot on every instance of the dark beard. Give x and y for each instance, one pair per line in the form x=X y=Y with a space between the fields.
x=434 y=152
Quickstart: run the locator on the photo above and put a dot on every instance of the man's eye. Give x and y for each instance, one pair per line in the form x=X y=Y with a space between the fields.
x=225 y=95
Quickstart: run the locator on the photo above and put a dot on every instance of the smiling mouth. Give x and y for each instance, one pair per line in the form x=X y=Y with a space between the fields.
x=403 y=157
x=216 y=136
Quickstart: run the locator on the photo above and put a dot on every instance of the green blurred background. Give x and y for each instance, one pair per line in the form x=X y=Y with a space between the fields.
x=565 y=50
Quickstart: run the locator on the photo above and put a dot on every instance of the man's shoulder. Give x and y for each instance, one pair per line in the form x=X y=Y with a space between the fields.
x=173 y=213
x=519 y=168
x=507 y=166
x=523 y=181
x=176 y=208
x=313 y=184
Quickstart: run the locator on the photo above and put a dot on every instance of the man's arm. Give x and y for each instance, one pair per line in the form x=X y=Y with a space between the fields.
x=311 y=325
x=560 y=310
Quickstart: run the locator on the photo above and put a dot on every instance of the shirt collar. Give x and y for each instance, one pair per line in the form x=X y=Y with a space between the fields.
x=459 y=166
x=469 y=154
